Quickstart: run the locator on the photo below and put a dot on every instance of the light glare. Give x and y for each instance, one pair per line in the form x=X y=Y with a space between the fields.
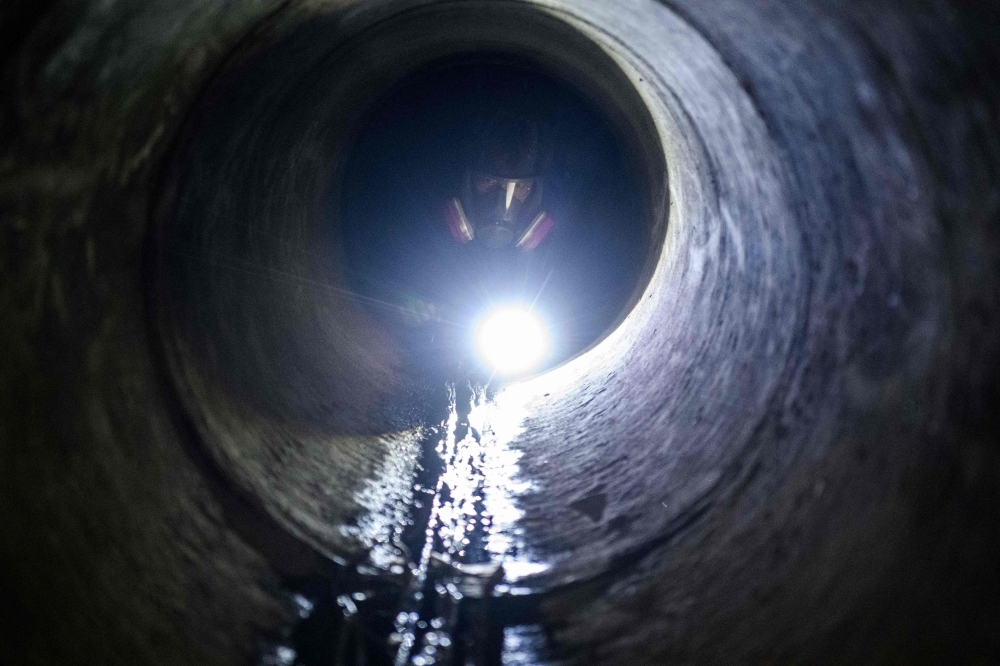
x=512 y=340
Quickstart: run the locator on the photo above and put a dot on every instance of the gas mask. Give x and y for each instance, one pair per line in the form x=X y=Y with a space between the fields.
x=501 y=209
x=501 y=198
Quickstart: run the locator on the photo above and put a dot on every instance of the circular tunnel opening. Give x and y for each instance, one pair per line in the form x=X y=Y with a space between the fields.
x=309 y=288
x=407 y=190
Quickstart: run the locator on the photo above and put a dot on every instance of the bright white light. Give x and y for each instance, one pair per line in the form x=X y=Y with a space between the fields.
x=512 y=340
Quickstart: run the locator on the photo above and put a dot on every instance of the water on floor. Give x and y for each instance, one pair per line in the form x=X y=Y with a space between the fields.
x=446 y=577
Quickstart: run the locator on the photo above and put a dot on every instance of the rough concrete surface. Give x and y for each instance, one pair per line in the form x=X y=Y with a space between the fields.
x=785 y=453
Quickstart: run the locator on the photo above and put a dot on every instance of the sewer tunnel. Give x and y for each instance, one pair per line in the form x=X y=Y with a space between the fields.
x=764 y=430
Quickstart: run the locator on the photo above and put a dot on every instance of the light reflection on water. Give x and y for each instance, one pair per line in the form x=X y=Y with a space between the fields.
x=500 y=421
x=387 y=498
x=479 y=487
x=483 y=482
x=467 y=522
x=524 y=645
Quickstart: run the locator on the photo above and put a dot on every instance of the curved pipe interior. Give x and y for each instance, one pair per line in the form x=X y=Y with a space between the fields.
x=298 y=391
x=782 y=449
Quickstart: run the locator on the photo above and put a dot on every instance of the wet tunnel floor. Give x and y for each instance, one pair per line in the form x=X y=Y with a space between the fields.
x=440 y=583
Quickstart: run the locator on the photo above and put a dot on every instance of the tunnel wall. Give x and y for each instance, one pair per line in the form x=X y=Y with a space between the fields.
x=859 y=349
x=115 y=549
x=791 y=438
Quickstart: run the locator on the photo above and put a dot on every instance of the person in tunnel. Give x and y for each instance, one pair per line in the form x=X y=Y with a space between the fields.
x=497 y=221
x=474 y=191
x=503 y=190
x=487 y=236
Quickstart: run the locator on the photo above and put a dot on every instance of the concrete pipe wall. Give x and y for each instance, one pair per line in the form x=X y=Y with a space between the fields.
x=784 y=451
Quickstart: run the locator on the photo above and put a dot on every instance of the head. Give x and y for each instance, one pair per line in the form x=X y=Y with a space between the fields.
x=503 y=186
